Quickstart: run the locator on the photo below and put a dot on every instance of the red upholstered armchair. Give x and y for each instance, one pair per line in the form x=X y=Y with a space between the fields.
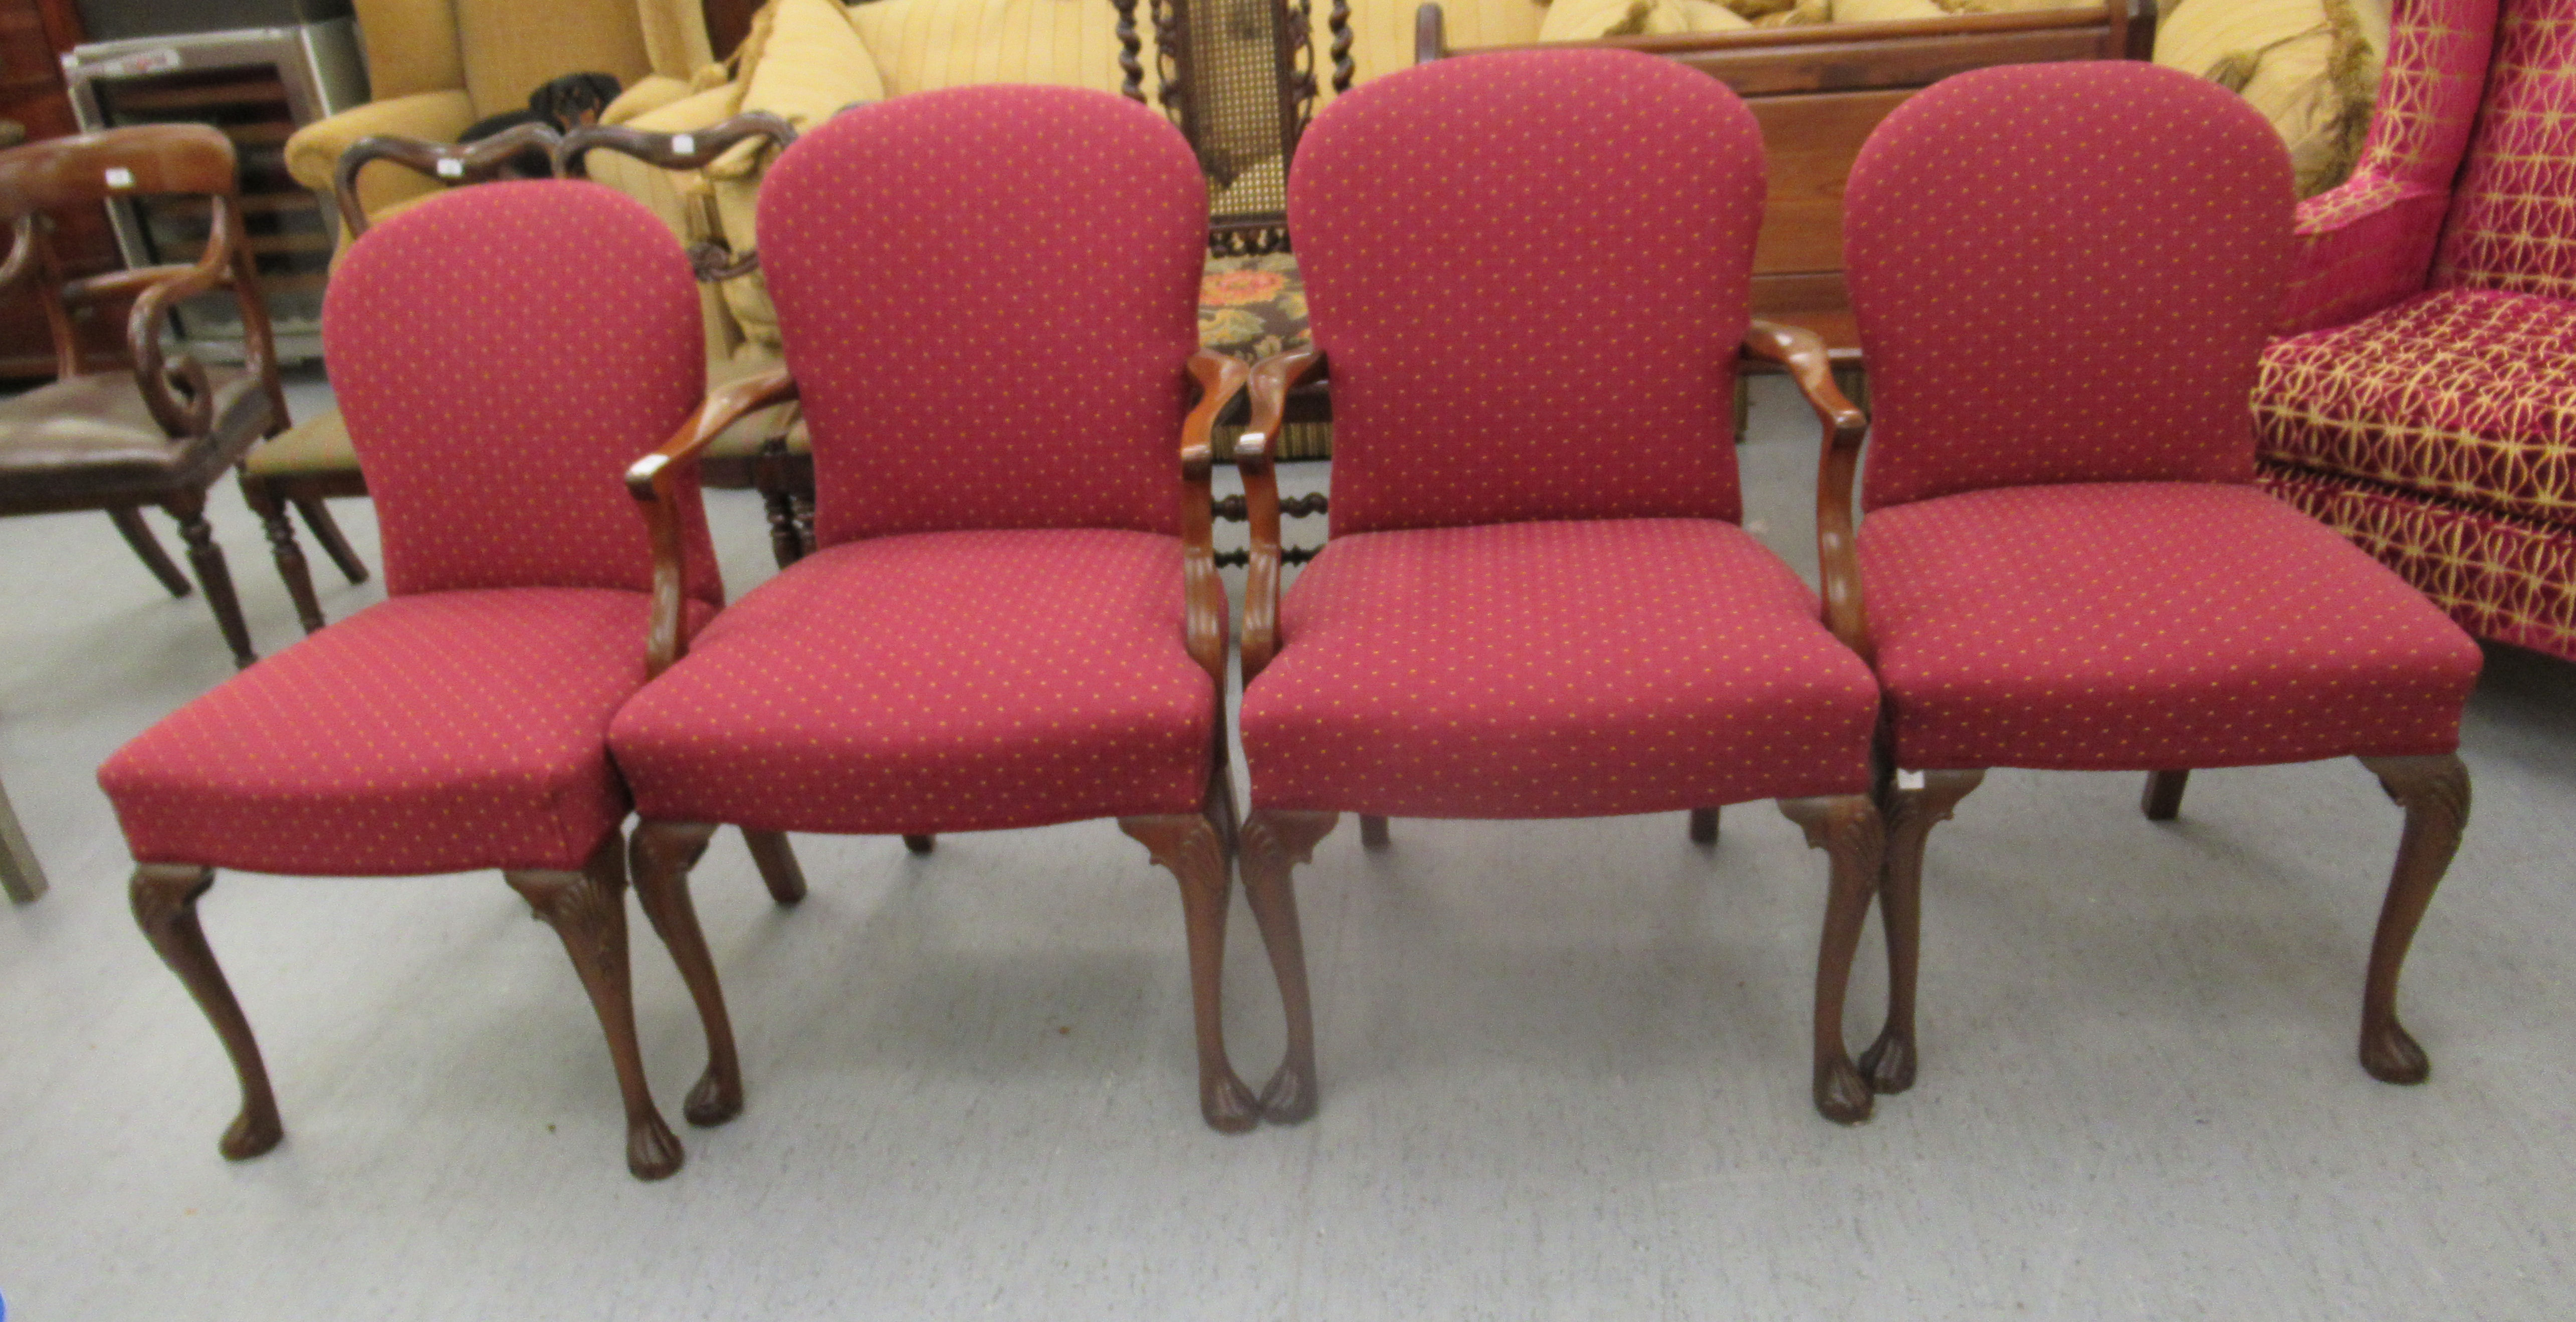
x=1012 y=617
x=501 y=354
x=2420 y=402
x=1537 y=601
x=2063 y=275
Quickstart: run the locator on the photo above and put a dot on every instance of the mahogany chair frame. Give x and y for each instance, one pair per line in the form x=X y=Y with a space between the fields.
x=87 y=171
x=1847 y=827
x=1197 y=848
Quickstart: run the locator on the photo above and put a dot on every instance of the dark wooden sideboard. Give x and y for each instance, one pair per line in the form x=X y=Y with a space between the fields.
x=33 y=36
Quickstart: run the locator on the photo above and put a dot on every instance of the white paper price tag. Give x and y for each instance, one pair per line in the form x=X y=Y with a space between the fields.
x=684 y=144
x=1909 y=780
x=119 y=177
x=450 y=168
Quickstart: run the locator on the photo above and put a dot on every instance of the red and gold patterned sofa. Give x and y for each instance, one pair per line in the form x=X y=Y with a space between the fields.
x=2423 y=399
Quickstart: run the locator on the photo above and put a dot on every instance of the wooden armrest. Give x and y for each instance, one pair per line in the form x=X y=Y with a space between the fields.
x=448 y=163
x=23 y=244
x=694 y=150
x=163 y=286
x=654 y=481
x=1272 y=379
x=1803 y=354
x=1220 y=378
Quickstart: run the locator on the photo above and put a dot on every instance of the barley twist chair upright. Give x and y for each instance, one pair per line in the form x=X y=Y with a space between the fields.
x=2064 y=275
x=1012 y=617
x=1537 y=600
x=165 y=430
x=502 y=354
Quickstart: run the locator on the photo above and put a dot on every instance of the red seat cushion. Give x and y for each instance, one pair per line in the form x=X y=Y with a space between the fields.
x=1568 y=669
x=2148 y=626
x=436 y=732
x=933 y=682
x=2459 y=395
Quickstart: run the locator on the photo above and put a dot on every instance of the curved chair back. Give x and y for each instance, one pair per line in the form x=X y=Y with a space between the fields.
x=987 y=296
x=1530 y=272
x=502 y=353
x=2510 y=225
x=2064 y=273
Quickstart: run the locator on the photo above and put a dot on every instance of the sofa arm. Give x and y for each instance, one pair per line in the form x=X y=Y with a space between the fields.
x=650 y=93
x=2361 y=247
x=314 y=152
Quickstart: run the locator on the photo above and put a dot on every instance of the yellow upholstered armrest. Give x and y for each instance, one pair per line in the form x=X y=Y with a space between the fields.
x=314 y=152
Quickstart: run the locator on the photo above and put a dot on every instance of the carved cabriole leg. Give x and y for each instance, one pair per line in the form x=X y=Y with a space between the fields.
x=921 y=844
x=776 y=860
x=1373 y=833
x=326 y=530
x=1908 y=815
x=588 y=910
x=282 y=548
x=1274 y=843
x=1188 y=845
x=2434 y=791
x=663 y=853
x=1703 y=826
x=1220 y=807
x=1847 y=828
x=189 y=508
x=147 y=548
x=164 y=896
x=2163 y=801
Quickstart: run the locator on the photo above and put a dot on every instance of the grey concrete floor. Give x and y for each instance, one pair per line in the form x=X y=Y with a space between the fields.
x=1565 y=1062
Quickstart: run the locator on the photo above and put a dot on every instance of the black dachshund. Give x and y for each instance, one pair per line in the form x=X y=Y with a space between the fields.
x=565 y=103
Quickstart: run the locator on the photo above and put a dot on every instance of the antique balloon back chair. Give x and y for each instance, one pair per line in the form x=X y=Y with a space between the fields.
x=501 y=355
x=2063 y=276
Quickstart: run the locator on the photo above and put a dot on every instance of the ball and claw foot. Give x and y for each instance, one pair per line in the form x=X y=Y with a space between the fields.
x=1228 y=1105
x=2392 y=1055
x=1289 y=1097
x=1889 y=1063
x=714 y=1101
x=251 y=1134
x=1841 y=1095
x=653 y=1152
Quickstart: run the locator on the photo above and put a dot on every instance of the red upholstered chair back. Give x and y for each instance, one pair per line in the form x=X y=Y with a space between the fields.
x=2513 y=211
x=501 y=354
x=1530 y=272
x=2064 y=273
x=988 y=296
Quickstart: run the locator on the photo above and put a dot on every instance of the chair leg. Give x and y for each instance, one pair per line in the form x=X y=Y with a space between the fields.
x=588 y=910
x=804 y=506
x=147 y=548
x=326 y=530
x=1373 y=833
x=1703 y=826
x=786 y=538
x=164 y=897
x=921 y=844
x=663 y=853
x=777 y=863
x=1909 y=815
x=1274 y=843
x=1188 y=845
x=189 y=508
x=2434 y=791
x=282 y=548
x=2163 y=801
x=1220 y=807
x=1848 y=829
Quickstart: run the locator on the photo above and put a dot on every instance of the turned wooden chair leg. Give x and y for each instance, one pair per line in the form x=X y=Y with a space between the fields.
x=2434 y=791
x=164 y=896
x=663 y=853
x=921 y=844
x=189 y=508
x=1188 y=845
x=147 y=548
x=2163 y=801
x=1373 y=833
x=291 y=565
x=1703 y=826
x=1908 y=815
x=1274 y=843
x=588 y=910
x=786 y=538
x=22 y=877
x=1848 y=829
x=776 y=860
x=326 y=530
